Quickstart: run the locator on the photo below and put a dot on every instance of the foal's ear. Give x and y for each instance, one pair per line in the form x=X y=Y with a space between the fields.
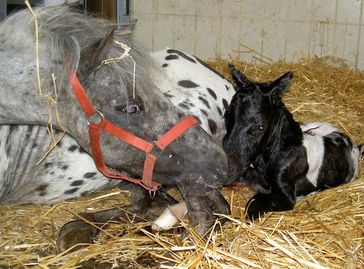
x=239 y=78
x=280 y=85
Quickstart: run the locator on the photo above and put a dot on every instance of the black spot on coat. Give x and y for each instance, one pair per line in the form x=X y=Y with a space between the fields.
x=164 y=65
x=168 y=95
x=47 y=165
x=183 y=105
x=203 y=112
x=204 y=101
x=171 y=57
x=89 y=174
x=212 y=93
x=225 y=103
x=71 y=191
x=180 y=53
x=64 y=167
x=72 y=148
x=85 y=193
x=212 y=126
x=43 y=193
x=219 y=110
x=187 y=84
x=77 y=183
x=42 y=187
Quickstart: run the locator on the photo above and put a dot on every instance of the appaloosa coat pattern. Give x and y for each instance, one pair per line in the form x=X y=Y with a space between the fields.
x=73 y=41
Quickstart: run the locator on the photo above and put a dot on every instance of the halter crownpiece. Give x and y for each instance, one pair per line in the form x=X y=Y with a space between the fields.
x=96 y=122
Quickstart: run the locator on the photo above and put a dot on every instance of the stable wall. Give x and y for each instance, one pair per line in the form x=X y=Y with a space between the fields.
x=267 y=30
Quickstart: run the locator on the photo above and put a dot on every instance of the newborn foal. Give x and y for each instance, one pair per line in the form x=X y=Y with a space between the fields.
x=268 y=150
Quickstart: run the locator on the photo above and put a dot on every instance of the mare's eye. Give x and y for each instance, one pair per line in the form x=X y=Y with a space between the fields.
x=131 y=108
x=257 y=129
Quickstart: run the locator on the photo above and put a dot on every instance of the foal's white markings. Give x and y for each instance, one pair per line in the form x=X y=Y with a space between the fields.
x=313 y=134
x=315 y=152
x=319 y=128
x=314 y=144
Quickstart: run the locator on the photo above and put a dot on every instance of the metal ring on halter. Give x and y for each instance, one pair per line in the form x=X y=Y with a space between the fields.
x=152 y=194
x=95 y=118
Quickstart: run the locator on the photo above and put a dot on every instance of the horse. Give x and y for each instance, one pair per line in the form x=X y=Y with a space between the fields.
x=205 y=101
x=268 y=150
x=38 y=74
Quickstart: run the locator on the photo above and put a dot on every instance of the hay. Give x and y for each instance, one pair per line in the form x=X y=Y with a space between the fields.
x=325 y=230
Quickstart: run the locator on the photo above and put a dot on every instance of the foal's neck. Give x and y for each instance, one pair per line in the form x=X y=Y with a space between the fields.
x=287 y=132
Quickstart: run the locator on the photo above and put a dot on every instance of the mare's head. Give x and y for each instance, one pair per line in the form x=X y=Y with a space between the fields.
x=105 y=62
x=251 y=120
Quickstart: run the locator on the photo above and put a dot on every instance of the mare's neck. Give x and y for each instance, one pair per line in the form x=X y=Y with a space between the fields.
x=22 y=103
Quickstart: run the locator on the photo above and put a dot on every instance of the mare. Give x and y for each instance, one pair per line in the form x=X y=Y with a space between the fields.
x=71 y=41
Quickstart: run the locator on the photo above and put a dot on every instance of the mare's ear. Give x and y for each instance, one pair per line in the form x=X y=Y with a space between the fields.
x=280 y=86
x=92 y=56
x=101 y=49
x=239 y=78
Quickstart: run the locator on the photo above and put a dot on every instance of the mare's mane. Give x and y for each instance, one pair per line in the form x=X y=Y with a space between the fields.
x=63 y=34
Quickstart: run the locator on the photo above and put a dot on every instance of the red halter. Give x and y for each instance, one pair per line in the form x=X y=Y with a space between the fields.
x=96 y=122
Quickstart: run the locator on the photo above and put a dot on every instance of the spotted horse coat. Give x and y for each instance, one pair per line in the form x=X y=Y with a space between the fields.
x=200 y=90
x=69 y=172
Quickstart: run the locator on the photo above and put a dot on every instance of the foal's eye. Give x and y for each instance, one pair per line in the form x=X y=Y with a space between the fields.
x=261 y=127
x=257 y=129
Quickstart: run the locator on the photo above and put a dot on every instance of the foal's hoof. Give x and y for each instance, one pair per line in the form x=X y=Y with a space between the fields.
x=256 y=207
x=75 y=234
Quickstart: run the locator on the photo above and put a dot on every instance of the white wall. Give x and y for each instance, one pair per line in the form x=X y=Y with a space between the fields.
x=247 y=29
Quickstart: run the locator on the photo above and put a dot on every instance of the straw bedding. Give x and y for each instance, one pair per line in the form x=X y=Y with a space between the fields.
x=325 y=230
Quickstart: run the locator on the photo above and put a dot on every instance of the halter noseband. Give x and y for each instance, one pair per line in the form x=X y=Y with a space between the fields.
x=97 y=122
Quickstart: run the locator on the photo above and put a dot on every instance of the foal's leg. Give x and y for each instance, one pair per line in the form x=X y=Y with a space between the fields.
x=280 y=199
x=283 y=176
x=143 y=209
x=255 y=180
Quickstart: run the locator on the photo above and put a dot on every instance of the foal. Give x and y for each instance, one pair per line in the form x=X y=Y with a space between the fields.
x=268 y=150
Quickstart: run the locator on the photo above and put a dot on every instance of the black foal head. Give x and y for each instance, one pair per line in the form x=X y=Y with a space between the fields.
x=251 y=119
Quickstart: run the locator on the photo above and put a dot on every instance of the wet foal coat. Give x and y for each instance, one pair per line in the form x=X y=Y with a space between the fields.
x=268 y=150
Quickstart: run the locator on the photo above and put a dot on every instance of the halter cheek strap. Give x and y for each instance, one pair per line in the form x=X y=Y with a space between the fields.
x=97 y=122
